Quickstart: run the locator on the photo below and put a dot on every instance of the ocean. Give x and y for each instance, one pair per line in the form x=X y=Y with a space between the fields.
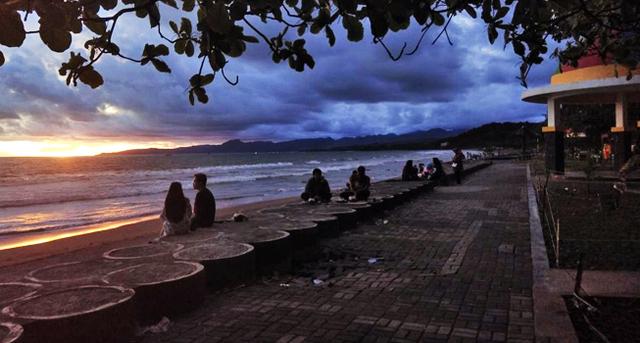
x=49 y=194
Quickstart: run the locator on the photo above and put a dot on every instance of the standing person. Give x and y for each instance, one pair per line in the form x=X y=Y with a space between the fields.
x=409 y=172
x=317 y=188
x=457 y=164
x=176 y=214
x=606 y=150
x=204 y=206
x=358 y=186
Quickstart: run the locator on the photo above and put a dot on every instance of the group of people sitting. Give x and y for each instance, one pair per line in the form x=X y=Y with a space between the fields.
x=434 y=171
x=318 y=190
x=179 y=217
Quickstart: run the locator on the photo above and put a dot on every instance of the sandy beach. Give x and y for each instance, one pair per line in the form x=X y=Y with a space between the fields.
x=93 y=241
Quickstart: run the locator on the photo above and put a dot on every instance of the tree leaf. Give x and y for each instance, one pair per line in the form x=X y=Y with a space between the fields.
x=518 y=47
x=471 y=11
x=188 y=5
x=1 y=58
x=379 y=26
x=330 y=35
x=89 y=76
x=160 y=65
x=12 y=32
x=238 y=9
x=206 y=79
x=109 y=4
x=154 y=15
x=55 y=38
x=161 y=50
x=437 y=18
x=201 y=94
x=250 y=39
x=98 y=27
x=171 y=3
x=189 y=48
x=355 y=30
x=218 y=18
x=180 y=46
x=185 y=26
x=174 y=26
x=492 y=32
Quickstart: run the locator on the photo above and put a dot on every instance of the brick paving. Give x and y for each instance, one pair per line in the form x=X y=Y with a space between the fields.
x=453 y=265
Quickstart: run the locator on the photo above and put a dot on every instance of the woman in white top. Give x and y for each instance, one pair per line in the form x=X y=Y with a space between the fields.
x=176 y=213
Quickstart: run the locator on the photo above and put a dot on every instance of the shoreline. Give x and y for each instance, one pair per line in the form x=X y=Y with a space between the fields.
x=16 y=250
x=134 y=231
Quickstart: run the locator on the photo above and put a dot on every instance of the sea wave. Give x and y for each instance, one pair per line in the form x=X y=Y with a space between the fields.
x=122 y=192
x=129 y=174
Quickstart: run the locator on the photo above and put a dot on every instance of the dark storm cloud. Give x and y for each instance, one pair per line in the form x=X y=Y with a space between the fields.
x=355 y=89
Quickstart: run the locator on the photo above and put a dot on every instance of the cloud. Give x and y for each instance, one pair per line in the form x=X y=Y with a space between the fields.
x=355 y=89
x=8 y=115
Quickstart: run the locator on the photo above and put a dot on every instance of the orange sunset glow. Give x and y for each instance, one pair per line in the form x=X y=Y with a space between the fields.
x=70 y=147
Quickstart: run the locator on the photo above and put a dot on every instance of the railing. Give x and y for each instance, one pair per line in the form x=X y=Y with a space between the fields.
x=553 y=225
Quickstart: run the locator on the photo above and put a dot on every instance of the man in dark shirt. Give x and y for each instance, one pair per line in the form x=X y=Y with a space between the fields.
x=204 y=206
x=317 y=188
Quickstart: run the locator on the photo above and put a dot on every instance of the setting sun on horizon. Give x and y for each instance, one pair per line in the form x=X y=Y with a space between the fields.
x=72 y=148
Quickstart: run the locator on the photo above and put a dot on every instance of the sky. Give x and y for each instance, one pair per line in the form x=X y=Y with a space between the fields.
x=354 y=89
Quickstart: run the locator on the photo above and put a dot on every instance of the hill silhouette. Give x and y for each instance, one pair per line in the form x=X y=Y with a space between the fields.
x=312 y=144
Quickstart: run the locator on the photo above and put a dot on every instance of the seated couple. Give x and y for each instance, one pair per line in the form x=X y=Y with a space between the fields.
x=318 y=190
x=176 y=214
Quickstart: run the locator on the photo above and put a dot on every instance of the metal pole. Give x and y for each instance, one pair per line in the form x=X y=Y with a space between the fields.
x=558 y=243
x=576 y=288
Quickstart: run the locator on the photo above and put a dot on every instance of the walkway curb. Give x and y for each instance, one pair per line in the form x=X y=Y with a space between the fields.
x=552 y=321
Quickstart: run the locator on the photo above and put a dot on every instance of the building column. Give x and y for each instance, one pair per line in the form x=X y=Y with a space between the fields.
x=553 y=138
x=622 y=132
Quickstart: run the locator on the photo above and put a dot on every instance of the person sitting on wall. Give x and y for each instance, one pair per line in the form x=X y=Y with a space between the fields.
x=409 y=172
x=317 y=188
x=438 y=175
x=427 y=172
x=204 y=206
x=358 y=186
x=176 y=214
x=421 y=170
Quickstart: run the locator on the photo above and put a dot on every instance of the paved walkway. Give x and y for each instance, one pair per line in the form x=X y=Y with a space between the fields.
x=452 y=266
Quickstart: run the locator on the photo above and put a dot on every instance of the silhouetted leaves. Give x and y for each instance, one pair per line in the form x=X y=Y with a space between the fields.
x=109 y=4
x=217 y=32
x=151 y=53
x=355 y=31
x=94 y=24
x=90 y=77
x=1 y=58
x=12 y=32
x=56 y=39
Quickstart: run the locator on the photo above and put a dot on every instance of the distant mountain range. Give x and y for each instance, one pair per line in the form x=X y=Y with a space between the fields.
x=313 y=144
x=507 y=134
